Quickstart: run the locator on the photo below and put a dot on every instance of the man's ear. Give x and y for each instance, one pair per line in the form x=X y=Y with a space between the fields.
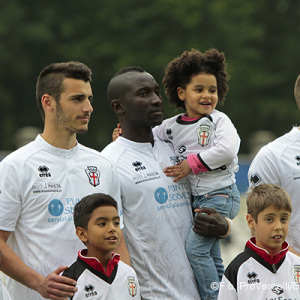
x=82 y=234
x=48 y=102
x=118 y=106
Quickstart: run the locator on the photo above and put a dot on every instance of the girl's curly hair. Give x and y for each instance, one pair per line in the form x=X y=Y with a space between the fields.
x=181 y=69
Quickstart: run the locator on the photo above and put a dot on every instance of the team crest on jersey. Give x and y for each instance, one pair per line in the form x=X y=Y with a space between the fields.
x=94 y=175
x=296 y=271
x=132 y=286
x=204 y=134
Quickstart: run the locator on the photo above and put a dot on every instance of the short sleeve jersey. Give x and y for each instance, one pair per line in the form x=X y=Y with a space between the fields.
x=39 y=186
x=157 y=218
x=215 y=140
x=279 y=163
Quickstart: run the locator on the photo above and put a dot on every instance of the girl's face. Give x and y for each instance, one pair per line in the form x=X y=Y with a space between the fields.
x=200 y=96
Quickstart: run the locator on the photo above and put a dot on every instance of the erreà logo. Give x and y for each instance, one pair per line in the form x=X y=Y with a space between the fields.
x=44 y=171
x=90 y=289
x=138 y=166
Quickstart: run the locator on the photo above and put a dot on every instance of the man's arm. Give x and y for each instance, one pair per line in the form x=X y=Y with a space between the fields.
x=210 y=223
x=123 y=251
x=53 y=286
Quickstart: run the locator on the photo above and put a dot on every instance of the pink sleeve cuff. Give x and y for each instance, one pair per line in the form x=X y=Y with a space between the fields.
x=195 y=164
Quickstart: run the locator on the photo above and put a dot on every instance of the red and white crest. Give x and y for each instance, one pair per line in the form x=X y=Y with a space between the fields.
x=132 y=286
x=203 y=133
x=296 y=271
x=94 y=175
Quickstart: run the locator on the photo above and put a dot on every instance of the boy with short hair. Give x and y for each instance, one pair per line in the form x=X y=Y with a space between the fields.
x=266 y=269
x=98 y=271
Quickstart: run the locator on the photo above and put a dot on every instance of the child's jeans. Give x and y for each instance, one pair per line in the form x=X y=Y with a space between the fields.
x=204 y=253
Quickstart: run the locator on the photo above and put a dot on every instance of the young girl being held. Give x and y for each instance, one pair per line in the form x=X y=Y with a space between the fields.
x=207 y=144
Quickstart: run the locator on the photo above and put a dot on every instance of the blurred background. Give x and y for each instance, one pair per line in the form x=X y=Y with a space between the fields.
x=259 y=38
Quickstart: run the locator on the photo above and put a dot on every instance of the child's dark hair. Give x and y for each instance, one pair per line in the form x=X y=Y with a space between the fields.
x=265 y=195
x=84 y=208
x=181 y=69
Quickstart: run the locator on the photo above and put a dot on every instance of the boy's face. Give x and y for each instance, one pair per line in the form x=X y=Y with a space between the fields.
x=270 y=229
x=103 y=232
x=200 y=96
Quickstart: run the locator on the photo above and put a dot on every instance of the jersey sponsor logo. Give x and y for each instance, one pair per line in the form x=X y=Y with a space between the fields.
x=94 y=175
x=255 y=179
x=132 y=286
x=278 y=290
x=90 y=291
x=298 y=160
x=252 y=277
x=296 y=271
x=204 y=134
x=138 y=165
x=181 y=149
x=44 y=171
x=55 y=207
x=169 y=133
x=161 y=195
x=46 y=187
x=175 y=160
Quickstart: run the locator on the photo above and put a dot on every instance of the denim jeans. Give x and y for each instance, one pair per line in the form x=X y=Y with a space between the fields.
x=204 y=253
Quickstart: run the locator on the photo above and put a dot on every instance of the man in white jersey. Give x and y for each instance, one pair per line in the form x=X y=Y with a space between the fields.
x=156 y=212
x=279 y=163
x=41 y=182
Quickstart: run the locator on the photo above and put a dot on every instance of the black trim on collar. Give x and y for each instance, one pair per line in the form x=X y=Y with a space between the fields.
x=272 y=268
x=180 y=121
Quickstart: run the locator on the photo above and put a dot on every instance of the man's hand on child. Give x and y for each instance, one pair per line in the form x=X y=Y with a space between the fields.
x=210 y=223
x=178 y=171
x=117 y=132
x=57 y=287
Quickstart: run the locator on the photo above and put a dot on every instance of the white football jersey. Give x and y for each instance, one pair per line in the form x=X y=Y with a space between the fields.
x=39 y=186
x=157 y=218
x=279 y=163
x=215 y=140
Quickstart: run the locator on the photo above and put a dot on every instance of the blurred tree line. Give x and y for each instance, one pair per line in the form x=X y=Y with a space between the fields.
x=259 y=38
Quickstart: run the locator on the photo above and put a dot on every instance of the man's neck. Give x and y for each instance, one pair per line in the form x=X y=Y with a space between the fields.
x=139 y=135
x=62 y=140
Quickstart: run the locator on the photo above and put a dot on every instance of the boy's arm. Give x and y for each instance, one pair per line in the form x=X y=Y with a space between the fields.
x=53 y=286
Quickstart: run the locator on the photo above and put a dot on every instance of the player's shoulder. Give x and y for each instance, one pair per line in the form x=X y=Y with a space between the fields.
x=217 y=116
x=126 y=268
x=295 y=259
x=90 y=152
x=21 y=155
x=114 y=150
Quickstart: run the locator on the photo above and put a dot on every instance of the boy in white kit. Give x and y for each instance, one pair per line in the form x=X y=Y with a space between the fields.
x=98 y=270
x=266 y=269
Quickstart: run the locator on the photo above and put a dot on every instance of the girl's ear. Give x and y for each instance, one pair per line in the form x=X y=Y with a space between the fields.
x=181 y=93
x=117 y=106
x=82 y=234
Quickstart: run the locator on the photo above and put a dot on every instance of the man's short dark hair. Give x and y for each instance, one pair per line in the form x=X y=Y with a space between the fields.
x=50 y=80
